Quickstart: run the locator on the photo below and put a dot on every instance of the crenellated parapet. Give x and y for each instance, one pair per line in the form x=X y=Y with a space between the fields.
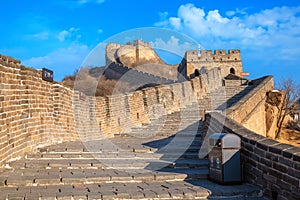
x=232 y=55
x=9 y=61
x=197 y=61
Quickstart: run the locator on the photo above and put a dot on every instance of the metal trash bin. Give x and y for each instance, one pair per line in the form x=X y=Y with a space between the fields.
x=224 y=158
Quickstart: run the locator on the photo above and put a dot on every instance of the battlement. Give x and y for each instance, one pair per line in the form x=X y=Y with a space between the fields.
x=9 y=59
x=113 y=45
x=10 y=62
x=232 y=55
x=138 y=43
x=211 y=53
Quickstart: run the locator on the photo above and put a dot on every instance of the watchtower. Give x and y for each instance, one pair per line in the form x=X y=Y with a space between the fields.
x=196 y=62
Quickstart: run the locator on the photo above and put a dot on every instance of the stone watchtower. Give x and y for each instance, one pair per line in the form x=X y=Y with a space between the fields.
x=138 y=45
x=196 y=62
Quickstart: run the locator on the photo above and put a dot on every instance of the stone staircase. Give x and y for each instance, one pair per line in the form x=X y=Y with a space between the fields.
x=156 y=161
x=224 y=97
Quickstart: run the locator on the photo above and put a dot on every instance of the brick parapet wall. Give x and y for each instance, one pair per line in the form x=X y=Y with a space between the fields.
x=252 y=106
x=273 y=166
x=36 y=113
x=33 y=112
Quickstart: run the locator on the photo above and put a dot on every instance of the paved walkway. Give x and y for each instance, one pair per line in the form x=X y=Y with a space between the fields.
x=69 y=171
x=131 y=171
x=156 y=161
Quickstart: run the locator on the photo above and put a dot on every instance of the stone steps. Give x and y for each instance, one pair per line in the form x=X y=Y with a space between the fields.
x=52 y=177
x=151 y=190
x=117 y=163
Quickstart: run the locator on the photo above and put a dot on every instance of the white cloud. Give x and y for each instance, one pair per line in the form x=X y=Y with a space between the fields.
x=100 y=30
x=163 y=21
x=269 y=39
x=40 y=36
x=174 y=45
x=62 y=61
x=63 y=35
x=175 y=22
x=278 y=27
x=90 y=1
x=237 y=11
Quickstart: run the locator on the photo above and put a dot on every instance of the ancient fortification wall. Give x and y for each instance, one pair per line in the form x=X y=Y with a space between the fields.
x=37 y=113
x=117 y=71
x=250 y=110
x=33 y=112
x=267 y=163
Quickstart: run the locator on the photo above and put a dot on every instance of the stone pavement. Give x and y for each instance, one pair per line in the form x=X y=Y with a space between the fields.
x=156 y=161
x=69 y=171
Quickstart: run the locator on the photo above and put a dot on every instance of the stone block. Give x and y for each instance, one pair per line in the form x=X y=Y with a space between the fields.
x=280 y=167
x=294 y=173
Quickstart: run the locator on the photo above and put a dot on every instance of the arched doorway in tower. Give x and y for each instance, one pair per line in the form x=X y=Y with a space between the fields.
x=232 y=71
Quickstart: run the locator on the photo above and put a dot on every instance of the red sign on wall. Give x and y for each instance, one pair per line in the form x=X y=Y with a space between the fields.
x=245 y=74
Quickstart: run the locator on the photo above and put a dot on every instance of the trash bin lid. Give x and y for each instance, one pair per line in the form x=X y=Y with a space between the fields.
x=228 y=140
x=231 y=141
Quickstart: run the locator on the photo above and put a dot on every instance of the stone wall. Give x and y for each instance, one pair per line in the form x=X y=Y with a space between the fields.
x=36 y=113
x=138 y=108
x=133 y=76
x=33 y=112
x=271 y=165
x=250 y=110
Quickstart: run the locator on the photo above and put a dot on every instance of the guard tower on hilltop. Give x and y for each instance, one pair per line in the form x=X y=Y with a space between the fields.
x=196 y=62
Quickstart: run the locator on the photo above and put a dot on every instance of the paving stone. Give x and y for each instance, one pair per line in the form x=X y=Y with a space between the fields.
x=95 y=170
x=16 y=196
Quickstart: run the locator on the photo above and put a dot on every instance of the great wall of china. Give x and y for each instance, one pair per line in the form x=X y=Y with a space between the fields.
x=46 y=131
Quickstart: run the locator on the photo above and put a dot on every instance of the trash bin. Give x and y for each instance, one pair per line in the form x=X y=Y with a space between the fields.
x=224 y=158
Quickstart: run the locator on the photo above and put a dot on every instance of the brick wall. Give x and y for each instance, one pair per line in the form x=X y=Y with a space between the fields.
x=36 y=113
x=250 y=110
x=33 y=112
x=273 y=166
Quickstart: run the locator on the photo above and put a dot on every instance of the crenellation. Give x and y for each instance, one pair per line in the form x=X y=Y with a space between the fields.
x=219 y=52
x=138 y=43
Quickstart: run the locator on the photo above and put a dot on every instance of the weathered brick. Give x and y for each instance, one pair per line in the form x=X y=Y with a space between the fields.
x=262 y=146
x=291 y=180
x=269 y=178
x=275 y=173
x=280 y=167
x=275 y=150
x=294 y=173
x=272 y=157
x=266 y=162
x=296 y=158
x=284 y=185
x=286 y=161
x=262 y=167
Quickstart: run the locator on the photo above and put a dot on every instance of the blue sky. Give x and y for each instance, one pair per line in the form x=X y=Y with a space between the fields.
x=59 y=34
